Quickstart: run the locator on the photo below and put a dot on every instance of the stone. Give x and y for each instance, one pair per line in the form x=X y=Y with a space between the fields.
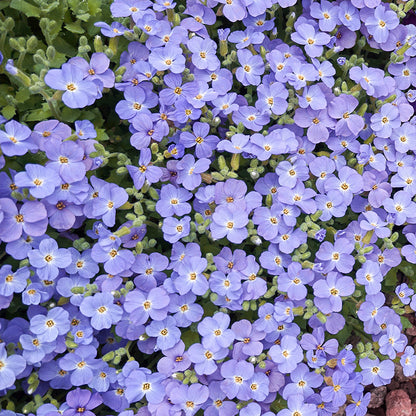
x=377 y=397
x=398 y=404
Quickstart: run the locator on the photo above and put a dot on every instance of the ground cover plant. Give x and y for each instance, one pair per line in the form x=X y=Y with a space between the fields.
x=206 y=207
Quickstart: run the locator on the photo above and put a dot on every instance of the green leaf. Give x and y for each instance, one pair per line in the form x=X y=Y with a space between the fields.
x=343 y=335
x=405 y=322
x=58 y=60
x=101 y=135
x=4 y=4
x=70 y=115
x=75 y=27
x=190 y=338
x=64 y=47
x=22 y=95
x=390 y=280
x=26 y=8
x=39 y=114
x=94 y=7
x=9 y=111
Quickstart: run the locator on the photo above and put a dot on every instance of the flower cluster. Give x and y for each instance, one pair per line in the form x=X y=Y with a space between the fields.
x=220 y=249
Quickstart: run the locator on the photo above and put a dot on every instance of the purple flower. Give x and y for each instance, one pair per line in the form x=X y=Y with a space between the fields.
x=349 y=16
x=174 y=360
x=204 y=143
x=350 y=182
x=185 y=310
x=67 y=160
x=85 y=129
x=376 y=372
x=404 y=73
x=328 y=292
x=386 y=120
x=31 y=219
x=392 y=342
x=337 y=393
x=137 y=102
x=239 y=143
x=173 y=201
x=229 y=222
x=249 y=338
x=101 y=309
x=408 y=361
x=203 y=53
x=236 y=375
x=337 y=255
x=189 y=399
x=296 y=404
x=287 y=354
x=49 y=258
x=139 y=384
x=115 y=260
x=81 y=402
x=303 y=382
x=78 y=92
x=293 y=282
x=168 y=57
x=141 y=306
x=13 y=282
x=251 y=69
x=204 y=360
x=146 y=171
x=373 y=222
x=116 y=29
x=379 y=24
x=40 y=180
x=401 y=207
x=15 y=140
x=216 y=405
x=174 y=229
x=189 y=171
x=409 y=250
x=215 y=333
x=341 y=108
x=234 y=10
x=11 y=367
x=166 y=332
x=327 y=14
x=96 y=69
x=49 y=327
x=307 y=35
x=190 y=276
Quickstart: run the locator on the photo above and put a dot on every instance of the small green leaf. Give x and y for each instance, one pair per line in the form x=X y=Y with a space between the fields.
x=8 y=111
x=22 y=95
x=75 y=27
x=39 y=114
x=94 y=7
x=405 y=322
x=190 y=338
x=26 y=8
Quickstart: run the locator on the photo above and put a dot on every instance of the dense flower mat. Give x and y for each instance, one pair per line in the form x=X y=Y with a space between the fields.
x=208 y=208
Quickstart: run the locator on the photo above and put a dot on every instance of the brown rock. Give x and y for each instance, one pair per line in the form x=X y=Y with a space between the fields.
x=377 y=397
x=394 y=385
x=378 y=412
x=398 y=404
x=341 y=411
x=411 y=331
x=410 y=389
